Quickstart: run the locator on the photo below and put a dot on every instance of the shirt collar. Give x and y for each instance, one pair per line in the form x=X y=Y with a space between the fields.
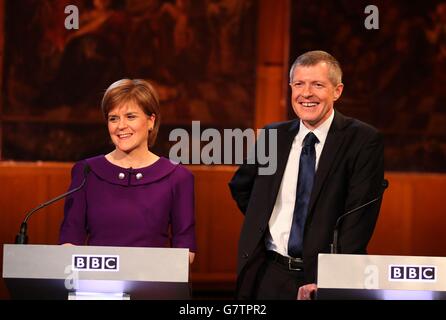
x=321 y=131
x=128 y=176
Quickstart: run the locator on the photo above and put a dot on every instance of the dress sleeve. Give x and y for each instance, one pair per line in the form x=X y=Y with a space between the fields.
x=73 y=228
x=183 y=210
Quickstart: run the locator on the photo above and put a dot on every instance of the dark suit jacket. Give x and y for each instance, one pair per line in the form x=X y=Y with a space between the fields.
x=350 y=173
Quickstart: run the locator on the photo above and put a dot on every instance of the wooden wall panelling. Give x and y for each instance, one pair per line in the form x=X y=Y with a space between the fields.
x=272 y=61
x=202 y=223
x=218 y=227
x=24 y=186
x=395 y=218
x=413 y=217
x=2 y=46
x=429 y=216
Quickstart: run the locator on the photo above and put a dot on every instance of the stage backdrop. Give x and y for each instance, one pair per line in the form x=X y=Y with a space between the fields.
x=394 y=76
x=200 y=55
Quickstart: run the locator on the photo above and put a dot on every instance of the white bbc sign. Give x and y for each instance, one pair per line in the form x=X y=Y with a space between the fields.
x=86 y=262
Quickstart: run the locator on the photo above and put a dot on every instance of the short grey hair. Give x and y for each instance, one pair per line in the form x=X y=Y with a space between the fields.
x=312 y=58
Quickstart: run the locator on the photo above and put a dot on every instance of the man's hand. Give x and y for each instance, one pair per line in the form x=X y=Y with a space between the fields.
x=307 y=292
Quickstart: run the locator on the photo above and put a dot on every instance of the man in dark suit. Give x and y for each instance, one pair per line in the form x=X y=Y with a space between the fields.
x=327 y=164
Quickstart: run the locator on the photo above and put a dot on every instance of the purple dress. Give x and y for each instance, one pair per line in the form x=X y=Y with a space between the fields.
x=130 y=207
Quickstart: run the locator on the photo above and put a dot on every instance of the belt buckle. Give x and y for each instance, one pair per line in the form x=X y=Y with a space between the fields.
x=290 y=260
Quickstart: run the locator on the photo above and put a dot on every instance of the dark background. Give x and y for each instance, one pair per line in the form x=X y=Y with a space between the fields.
x=395 y=77
x=201 y=56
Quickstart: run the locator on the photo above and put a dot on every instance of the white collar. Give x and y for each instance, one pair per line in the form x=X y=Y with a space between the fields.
x=320 y=132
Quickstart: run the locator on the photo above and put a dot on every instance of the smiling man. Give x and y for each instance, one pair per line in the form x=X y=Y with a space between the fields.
x=327 y=164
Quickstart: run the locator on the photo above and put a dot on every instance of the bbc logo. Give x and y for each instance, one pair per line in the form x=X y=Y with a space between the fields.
x=412 y=273
x=95 y=263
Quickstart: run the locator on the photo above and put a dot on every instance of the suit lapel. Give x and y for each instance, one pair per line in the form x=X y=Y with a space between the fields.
x=328 y=156
x=284 y=142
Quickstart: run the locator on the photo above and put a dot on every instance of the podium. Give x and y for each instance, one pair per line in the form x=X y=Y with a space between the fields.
x=380 y=277
x=60 y=272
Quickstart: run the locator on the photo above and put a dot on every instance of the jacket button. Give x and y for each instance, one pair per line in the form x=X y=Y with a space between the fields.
x=245 y=255
x=261 y=229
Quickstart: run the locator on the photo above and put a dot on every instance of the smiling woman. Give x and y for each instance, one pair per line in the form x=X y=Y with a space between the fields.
x=131 y=108
x=129 y=128
x=132 y=197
